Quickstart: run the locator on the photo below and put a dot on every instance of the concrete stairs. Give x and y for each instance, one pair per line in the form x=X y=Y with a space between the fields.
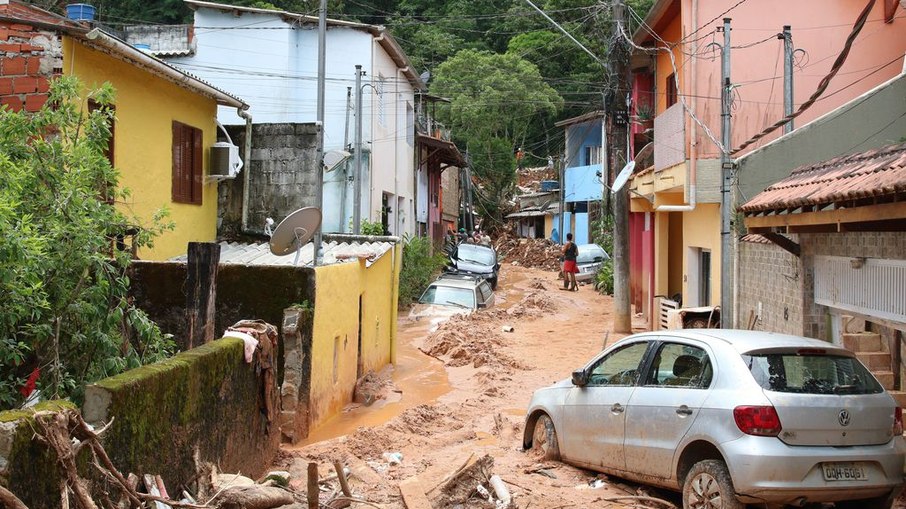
x=871 y=350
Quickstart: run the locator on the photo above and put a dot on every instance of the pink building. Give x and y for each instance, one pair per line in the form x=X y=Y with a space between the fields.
x=675 y=225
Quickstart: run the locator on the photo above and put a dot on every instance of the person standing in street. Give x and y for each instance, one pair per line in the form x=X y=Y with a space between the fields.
x=570 y=252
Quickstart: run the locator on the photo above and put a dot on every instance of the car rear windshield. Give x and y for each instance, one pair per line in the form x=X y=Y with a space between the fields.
x=811 y=373
x=476 y=254
x=449 y=296
x=590 y=255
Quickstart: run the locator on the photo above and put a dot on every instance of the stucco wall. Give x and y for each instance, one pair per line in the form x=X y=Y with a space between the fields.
x=873 y=121
x=243 y=292
x=146 y=107
x=335 y=334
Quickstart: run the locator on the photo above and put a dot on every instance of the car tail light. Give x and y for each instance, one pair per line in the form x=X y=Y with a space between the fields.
x=898 y=422
x=757 y=420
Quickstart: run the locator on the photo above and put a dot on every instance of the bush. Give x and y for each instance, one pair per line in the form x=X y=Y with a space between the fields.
x=420 y=267
x=604 y=278
x=65 y=316
x=374 y=228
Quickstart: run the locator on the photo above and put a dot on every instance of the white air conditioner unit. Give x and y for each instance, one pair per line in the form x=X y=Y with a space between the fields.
x=225 y=161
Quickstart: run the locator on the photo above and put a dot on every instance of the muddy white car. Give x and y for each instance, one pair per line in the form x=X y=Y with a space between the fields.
x=729 y=418
x=453 y=294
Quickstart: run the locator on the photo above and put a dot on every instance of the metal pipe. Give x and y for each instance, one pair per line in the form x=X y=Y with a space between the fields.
x=343 y=189
x=246 y=169
x=357 y=182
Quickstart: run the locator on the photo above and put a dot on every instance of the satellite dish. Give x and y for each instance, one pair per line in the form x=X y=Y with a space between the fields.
x=425 y=76
x=334 y=158
x=621 y=179
x=295 y=231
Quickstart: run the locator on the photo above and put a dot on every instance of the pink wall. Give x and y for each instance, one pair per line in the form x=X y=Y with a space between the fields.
x=819 y=27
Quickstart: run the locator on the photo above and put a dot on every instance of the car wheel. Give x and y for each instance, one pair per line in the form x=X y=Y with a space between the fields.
x=708 y=486
x=870 y=503
x=544 y=439
x=494 y=284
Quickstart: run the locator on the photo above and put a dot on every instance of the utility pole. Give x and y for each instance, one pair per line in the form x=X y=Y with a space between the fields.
x=561 y=163
x=470 y=214
x=357 y=179
x=322 y=74
x=619 y=60
x=726 y=188
x=787 y=76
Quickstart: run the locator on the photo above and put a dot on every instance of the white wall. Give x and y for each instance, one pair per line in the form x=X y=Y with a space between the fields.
x=273 y=67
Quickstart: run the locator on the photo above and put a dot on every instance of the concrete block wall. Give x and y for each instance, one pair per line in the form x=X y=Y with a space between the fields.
x=283 y=175
x=29 y=59
x=772 y=277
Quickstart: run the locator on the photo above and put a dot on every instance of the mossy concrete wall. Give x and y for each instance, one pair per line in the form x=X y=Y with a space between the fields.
x=28 y=468
x=201 y=406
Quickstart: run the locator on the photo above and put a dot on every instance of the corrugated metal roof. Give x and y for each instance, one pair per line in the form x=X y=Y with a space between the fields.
x=872 y=174
x=333 y=252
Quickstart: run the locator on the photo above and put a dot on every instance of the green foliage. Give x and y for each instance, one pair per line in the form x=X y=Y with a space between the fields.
x=65 y=306
x=604 y=278
x=602 y=232
x=419 y=268
x=367 y=227
x=495 y=98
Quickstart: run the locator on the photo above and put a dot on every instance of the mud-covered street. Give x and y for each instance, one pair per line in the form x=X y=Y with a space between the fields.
x=460 y=393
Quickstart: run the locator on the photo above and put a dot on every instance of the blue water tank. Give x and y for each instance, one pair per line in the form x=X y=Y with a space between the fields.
x=550 y=185
x=80 y=12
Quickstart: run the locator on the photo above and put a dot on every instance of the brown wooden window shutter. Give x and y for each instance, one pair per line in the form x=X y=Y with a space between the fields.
x=188 y=176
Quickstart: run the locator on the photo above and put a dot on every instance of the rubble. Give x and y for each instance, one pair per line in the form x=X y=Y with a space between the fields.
x=532 y=253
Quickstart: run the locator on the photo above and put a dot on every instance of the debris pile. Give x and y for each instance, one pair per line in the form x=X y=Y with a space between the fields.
x=535 y=253
x=463 y=340
x=473 y=485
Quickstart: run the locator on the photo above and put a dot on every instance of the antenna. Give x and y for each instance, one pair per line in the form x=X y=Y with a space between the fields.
x=295 y=231
x=621 y=179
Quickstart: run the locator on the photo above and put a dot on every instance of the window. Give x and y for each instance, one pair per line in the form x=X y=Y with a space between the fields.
x=187 y=164
x=410 y=124
x=620 y=367
x=671 y=90
x=592 y=155
x=811 y=373
x=678 y=365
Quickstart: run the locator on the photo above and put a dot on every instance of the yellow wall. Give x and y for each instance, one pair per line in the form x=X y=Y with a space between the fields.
x=336 y=328
x=146 y=106
x=701 y=229
x=548 y=226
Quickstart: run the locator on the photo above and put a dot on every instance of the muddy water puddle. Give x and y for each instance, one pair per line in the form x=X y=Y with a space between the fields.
x=420 y=378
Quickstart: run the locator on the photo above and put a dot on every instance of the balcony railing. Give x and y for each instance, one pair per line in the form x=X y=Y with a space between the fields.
x=669 y=137
x=428 y=126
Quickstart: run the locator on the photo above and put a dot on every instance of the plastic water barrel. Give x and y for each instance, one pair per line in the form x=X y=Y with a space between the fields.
x=80 y=12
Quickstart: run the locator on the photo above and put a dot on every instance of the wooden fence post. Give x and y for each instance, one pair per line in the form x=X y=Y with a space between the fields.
x=201 y=291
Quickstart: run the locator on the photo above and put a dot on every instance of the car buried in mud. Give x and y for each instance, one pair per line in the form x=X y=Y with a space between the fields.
x=453 y=294
x=728 y=418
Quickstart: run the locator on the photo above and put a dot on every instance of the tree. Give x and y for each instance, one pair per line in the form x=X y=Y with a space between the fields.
x=495 y=99
x=65 y=314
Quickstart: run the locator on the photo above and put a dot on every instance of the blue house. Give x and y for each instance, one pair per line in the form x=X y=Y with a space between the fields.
x=584 y=186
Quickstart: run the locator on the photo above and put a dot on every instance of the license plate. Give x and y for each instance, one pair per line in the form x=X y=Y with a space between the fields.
x=844 y=472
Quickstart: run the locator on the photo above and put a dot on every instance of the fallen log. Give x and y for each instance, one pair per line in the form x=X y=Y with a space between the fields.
x=254 y=497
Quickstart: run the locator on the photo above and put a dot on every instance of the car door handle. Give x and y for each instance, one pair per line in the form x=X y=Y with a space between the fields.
x=684 y=410
x=617 y=408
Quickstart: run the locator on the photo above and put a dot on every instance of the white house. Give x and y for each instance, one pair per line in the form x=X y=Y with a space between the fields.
x=270 y=57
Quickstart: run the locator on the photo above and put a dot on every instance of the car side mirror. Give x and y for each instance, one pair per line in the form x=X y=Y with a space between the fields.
x=497 y=267
x=580 y=378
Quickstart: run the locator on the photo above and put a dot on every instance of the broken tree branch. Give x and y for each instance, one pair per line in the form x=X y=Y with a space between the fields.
x=9 y=500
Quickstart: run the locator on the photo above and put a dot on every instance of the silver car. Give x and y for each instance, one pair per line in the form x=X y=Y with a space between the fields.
x=729 y=418
x=589 y=261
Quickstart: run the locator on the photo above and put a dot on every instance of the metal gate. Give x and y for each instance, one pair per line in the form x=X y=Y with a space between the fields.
x=868 y=286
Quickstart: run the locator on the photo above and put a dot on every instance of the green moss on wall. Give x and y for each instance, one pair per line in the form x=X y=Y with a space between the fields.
x=32 y=473
x=202 y=402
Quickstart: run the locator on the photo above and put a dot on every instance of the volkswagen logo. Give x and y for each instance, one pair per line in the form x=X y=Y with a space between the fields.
x=843 y=417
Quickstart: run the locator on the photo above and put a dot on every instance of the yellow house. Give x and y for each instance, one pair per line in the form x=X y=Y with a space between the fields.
x=162 y=136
